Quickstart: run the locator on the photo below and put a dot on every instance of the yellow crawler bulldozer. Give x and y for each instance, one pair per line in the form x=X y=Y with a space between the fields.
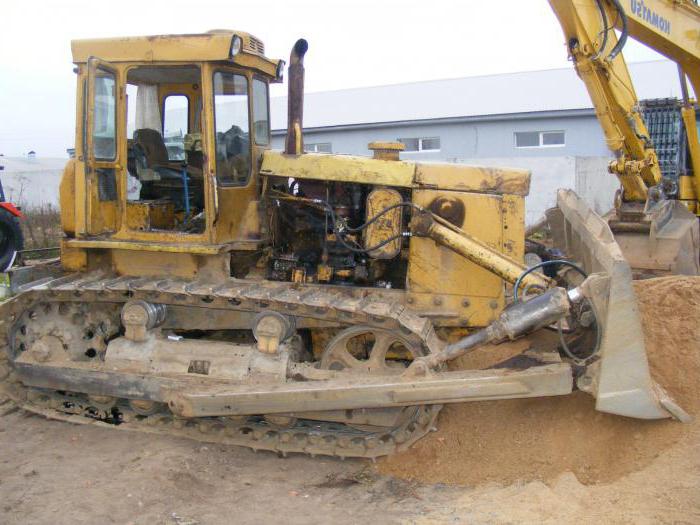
x=288 y=301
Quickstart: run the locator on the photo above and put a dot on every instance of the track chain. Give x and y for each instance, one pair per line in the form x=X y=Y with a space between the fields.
x=348 y=307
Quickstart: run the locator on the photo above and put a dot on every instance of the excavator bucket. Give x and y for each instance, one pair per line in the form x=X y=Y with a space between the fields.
x=620 y=380
x=668 y=242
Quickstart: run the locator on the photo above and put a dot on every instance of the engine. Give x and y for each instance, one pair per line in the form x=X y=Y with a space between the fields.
x=338 y=233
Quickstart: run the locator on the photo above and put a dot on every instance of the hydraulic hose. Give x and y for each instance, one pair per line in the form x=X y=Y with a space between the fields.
x=604 y=16
x=543 y=264
x=562 y=341
x=624 y=32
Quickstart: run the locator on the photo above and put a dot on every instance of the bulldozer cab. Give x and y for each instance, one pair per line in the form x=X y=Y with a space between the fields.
x=169 y=138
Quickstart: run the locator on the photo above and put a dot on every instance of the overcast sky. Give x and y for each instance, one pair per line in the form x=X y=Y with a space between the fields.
x=352 y=43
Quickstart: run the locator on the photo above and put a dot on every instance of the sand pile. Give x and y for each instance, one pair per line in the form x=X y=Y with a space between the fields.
x=539 y=439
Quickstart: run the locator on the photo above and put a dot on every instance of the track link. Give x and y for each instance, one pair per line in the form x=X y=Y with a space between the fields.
x=346 y=307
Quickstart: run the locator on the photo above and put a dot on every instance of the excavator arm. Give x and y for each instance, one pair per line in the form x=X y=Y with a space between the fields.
x=671 y=27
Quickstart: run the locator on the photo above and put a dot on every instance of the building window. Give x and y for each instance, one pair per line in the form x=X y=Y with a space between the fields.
x=540 y=139
x=319 y=147
x=421 y=144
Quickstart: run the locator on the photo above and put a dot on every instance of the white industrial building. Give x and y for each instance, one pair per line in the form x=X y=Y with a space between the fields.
x=540 y=120
x=31 y=182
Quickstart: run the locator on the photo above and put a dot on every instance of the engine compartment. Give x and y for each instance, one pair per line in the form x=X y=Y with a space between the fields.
x=338 y=233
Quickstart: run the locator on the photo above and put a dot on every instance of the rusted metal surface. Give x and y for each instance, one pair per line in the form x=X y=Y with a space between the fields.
x=294 y=142
x=449 y=208
x=517 y=320
x=387 y=226
x=312 y=302
x=192 y=397
x=458 y=177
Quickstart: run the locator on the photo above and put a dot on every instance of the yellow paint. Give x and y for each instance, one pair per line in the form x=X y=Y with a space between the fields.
x=343 y=168
x=73 y=259
x=145 y=215
x=470 y=178
x=690 y=190
x=137 y=238
x=609 y=83
x=387 y=226
x=513 y=226
x=108 y=244
x=448 y=277
x=66 y=192
x=204 y=47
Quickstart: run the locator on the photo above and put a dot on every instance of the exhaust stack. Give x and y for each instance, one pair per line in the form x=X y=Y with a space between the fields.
x=294 y=143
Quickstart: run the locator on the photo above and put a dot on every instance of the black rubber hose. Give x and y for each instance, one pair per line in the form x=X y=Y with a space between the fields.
x=624 y=31
x=383 y=212
x=604 y=16
x=527 y=272
x=562 y=341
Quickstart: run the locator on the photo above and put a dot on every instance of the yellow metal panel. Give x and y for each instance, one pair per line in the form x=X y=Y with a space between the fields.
x=690 y=190
x=142 y=263
x=455 y=310
x=449 y=278
x=199 y=249
x=80 y=200
x=73 y=259
x=67 y=198
x=387 y=226
x=215 y=46
x=513 y=213
x=147 y=215
x=473 y=178
x=343 y=168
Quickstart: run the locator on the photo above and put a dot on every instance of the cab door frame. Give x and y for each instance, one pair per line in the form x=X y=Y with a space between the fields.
x=100 y=205
x=234 y=214
x=188 y=241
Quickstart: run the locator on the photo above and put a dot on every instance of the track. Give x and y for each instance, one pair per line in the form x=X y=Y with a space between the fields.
x=309 y=437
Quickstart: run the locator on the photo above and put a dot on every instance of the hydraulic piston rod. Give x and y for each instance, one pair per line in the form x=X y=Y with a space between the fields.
x=518 y=319
x=425 y=224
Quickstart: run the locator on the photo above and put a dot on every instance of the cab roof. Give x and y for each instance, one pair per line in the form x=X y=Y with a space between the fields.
x=213 y=45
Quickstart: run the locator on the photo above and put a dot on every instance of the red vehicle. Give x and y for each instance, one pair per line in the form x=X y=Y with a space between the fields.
x=11 y=239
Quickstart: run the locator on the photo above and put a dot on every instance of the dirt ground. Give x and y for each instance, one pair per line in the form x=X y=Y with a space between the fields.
x=533 y=461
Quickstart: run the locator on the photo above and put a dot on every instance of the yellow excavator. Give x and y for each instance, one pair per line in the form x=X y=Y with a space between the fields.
x=212 y=288
x=654 y=220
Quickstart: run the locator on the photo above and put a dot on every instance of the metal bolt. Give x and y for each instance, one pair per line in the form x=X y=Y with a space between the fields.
x=493 y=304
x=466 y=303
x=437 y=301
x=410 y=300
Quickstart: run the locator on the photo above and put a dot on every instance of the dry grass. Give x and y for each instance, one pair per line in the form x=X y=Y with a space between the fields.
x=41 y=227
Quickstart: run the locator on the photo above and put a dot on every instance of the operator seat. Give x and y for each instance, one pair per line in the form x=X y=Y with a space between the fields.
x=148 y=162
x=150 y=146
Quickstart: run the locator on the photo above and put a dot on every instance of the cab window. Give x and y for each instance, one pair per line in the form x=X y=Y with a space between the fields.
x=175 y=113
x=232 y=129
x=104 y=129
x=261 y=118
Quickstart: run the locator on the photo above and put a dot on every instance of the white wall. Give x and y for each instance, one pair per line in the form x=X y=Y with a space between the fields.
x=32 y=190
x=587 y=176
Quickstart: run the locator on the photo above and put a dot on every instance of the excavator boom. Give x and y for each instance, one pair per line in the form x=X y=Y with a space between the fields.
x=654 y=218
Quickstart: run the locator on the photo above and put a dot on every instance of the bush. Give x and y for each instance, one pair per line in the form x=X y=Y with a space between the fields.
x=41 y=227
